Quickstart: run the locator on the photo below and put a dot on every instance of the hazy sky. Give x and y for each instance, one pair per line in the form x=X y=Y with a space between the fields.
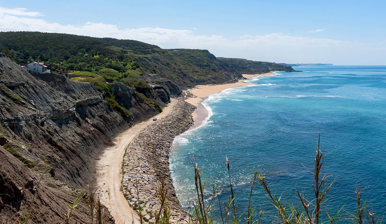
x=292 y=31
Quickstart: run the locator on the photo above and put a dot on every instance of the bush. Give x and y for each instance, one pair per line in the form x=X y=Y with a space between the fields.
x=85 y=73
x=110 y=74
x=117 y=107
x=99 y=83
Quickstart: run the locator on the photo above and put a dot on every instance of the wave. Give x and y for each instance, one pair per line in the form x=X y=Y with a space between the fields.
x=214 y=99
x=265 y=84
x=181 y=140
x=262 y=77
x=252 y=79
x=317 y=96
x=306 y=96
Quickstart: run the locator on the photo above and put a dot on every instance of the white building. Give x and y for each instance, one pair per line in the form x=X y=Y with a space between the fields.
x=37 y=68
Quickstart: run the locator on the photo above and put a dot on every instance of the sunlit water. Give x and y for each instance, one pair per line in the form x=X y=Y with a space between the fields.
x=273 y=128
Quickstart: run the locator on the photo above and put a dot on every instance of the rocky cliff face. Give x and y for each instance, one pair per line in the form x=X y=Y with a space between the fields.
x=63 y=124
x=55 y=128
x=22 y=194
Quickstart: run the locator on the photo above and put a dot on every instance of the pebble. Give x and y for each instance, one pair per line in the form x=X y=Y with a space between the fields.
x=146 y=163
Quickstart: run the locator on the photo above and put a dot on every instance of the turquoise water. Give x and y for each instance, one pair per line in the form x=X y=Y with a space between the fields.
x=274 y=128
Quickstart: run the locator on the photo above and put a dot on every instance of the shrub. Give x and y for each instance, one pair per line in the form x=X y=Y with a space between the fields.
x=110 y=74
x=85 y=73
x=117 y=107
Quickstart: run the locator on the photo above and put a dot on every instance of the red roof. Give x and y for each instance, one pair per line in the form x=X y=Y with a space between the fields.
x=39 y=63
x=42 y=64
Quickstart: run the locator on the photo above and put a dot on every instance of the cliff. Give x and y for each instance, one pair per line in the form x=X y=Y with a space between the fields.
x=56 y=129
x=23 y=194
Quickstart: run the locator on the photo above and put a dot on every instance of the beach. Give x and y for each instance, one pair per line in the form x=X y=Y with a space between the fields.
x=199 y=93
x=146 y=164
x=109 y=167
x=130 y=172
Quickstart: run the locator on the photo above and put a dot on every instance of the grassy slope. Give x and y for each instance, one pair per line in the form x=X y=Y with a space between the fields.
x=130 y=59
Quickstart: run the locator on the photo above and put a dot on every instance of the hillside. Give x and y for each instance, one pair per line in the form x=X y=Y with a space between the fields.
x=127 y=60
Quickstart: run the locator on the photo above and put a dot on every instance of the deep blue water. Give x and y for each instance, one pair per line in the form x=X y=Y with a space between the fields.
x=274 y=128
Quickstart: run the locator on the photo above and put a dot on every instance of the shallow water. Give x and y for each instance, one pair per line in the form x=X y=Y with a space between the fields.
x=274 y=128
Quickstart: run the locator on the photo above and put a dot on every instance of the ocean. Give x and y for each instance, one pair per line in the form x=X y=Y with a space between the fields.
x=273 y=128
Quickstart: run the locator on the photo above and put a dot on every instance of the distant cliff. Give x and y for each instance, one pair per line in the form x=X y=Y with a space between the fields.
x=127 y=60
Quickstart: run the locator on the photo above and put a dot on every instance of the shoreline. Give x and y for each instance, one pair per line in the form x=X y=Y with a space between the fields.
x=197 y=95
x=146 y=164
x=138 y=161
x=109 y=171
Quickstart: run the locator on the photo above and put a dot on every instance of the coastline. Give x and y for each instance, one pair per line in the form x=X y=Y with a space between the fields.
x=197 y=95
x=139 y=160
x=109 y=171
x=146 y=164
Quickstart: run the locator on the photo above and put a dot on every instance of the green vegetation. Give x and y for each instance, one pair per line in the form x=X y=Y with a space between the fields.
x=151 y=102
x=23 y=219
x=82 y=56
x=84 y=73
x=100 y=62
x=104 y=61
x=128 y=60
x=73 y=206
x=3 y=130
x=110 y=74
x=117 y=107
x=13 y=149
x=9 y=93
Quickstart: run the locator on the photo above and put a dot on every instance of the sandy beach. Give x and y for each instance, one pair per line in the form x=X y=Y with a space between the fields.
x=201 y=92
x=142 y=153
x=109 y=171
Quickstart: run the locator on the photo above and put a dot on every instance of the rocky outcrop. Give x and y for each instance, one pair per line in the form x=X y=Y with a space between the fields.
x=172 y=87
x=162 y=93
x=139 y=107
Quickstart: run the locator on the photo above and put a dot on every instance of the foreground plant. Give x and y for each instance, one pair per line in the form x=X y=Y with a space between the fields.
x=202 y=212
x=73 y=206
x=312 y=211
x=163 y=214
x=309 y=211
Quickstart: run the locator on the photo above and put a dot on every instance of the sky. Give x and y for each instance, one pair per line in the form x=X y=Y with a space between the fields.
x=289 y=31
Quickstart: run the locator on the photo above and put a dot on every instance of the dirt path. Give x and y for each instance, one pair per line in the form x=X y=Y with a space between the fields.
x=109 y=175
